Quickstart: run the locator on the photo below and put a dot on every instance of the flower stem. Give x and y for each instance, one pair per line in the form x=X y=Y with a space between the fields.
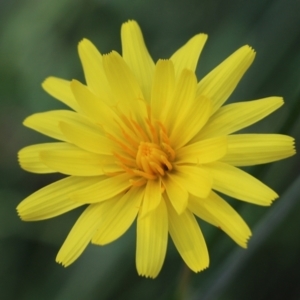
x=183 y=284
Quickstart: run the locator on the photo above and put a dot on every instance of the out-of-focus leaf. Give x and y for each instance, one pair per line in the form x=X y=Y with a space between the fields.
x=226 y=273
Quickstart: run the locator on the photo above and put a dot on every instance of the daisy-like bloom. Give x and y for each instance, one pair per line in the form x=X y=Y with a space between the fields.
x=147 y=141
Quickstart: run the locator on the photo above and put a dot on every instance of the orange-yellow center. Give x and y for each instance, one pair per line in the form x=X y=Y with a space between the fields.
x=146 y=152
x=152 y=160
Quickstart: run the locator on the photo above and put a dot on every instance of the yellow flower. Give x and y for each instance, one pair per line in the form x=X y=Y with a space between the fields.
x=149 y=141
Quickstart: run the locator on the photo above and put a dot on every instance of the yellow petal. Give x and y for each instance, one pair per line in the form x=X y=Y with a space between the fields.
x=254 y=149
x=119 y=215
x=183 y=99
x=54 y=199
x=152 y=197
x=47 y=123
x=188 y=239
x=197 y=180
x=71 y=160
x=152 y=239
x=29 y=158
x=102 y=190
x=192 y=124
x=125 y=86
x=203 y=152
x=60 y=89
x=187 y=56
x=221 y=81
x=177 y=194
x=95 y=77
x=162 y=89
x=195 y=207
x=87 y=137
x=238 y=184
x=96 y=109
x=80 y=235
x=223 y=216
x=236 y=116
x=137 y=57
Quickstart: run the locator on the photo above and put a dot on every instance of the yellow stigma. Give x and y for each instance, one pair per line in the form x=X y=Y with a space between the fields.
x=152 y=160
x=145 y=150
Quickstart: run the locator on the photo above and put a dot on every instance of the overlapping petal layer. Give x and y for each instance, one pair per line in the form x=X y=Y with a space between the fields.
x=118 y=214
x=152 y=239
x=60 y=90
x=239 y=184
x=54 y=199
x=221 y=81
x=137 y=57
x=188 y=239
x=91 y=60
x=255 y=149
x=218 y=212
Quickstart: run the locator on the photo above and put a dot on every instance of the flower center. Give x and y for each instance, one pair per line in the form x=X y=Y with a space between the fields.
x=152 y=160
x=144 y=151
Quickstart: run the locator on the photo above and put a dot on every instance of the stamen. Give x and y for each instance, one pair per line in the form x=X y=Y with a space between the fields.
x=128 y=170
x=156 y=155
x=125 y=148
x=124 y=160
x=152 y=131
x=140 y=130
x=146 y=175
x=157 y=168
x=167 y=163
x=170 y=151
x=128 y=137
x=147 y=153
x=139 y=182
x=145 y=165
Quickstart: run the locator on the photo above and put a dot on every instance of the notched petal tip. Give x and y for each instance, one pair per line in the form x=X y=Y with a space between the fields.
x=85 y=46
x=202 y=269
x=247 y=54
x=293 y=145
x=270 y=200
x=131 y=25
x=84 y=41
x=244 y=243
x=130 y=22
x=110 y=54
x=60 y=262
x=203 y=35
x=23 y=213
x=74 y=82
x=251 y=53
x=19 y=212
x=276 y=196
x=248 y=48
x=147 y=275
x=163 y=60
x=44 y=83
x=87 y=50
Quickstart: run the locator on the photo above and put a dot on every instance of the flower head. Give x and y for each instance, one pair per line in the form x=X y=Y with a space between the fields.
x=147 y=141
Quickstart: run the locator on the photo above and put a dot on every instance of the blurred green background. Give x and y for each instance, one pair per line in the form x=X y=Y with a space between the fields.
x=39 y=39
